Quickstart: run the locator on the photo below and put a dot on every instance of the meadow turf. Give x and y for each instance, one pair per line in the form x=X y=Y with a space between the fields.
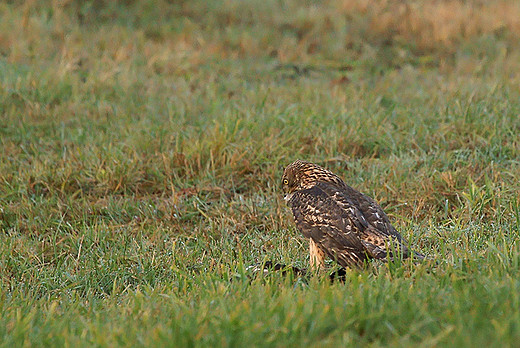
x=142 y=145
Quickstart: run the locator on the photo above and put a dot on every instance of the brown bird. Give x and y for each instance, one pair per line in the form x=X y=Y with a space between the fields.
x=340 y=222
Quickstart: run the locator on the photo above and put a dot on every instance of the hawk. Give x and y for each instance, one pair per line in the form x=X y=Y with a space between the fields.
x=340 y=222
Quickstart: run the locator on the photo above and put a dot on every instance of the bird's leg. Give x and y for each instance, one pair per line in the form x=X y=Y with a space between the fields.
x=317 y=256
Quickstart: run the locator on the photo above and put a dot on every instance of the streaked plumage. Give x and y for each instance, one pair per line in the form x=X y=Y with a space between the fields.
x=340 y=222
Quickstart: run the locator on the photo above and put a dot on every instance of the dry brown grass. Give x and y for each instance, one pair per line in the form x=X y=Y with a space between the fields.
x=290 y=31
x=430 y=24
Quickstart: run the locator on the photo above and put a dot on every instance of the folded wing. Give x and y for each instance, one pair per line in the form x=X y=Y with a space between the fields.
x=338 y=226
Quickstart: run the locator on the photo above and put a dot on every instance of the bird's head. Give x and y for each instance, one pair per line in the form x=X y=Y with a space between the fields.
x=301 y=175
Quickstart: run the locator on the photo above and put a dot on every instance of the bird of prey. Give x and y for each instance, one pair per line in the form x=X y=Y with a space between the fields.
x=340 y=222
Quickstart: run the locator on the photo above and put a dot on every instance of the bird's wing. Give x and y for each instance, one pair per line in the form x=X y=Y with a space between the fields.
x=325 y=215
x=373 y=213
x=381 y=232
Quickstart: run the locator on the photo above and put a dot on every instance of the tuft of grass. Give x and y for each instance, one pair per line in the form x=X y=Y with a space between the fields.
x=142 y=143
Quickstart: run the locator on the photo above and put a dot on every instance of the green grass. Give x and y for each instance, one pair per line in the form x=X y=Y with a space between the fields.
x=141 y=150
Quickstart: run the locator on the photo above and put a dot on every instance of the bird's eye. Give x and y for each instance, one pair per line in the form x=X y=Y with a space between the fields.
x=285 y=182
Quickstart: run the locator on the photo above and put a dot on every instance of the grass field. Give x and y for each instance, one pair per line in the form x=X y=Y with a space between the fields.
x=142 y=145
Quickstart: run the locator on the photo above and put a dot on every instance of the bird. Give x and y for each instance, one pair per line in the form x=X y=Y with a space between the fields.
x=340 y=222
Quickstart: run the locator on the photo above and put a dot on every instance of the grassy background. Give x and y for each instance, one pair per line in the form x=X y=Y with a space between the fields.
x=142 y=143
